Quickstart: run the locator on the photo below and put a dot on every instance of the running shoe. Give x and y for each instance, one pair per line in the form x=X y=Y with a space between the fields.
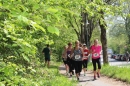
x=98 y=75
x=94 y=77
x=84 y=75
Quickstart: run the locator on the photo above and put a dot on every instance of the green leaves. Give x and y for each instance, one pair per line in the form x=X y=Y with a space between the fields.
x=52 y=10
x=23 y=19
x=53 y=30
x=25 y=57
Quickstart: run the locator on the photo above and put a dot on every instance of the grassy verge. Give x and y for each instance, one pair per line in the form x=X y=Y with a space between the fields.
x=12 y=75
x=120 y=73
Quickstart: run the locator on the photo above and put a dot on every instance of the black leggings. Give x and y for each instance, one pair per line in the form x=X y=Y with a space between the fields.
x=78 y=66
x=85 y=63
x=94 y=61
x=71 y=65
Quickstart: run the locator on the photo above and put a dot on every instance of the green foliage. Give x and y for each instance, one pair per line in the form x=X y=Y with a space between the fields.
x=13 y=75
x=26 y=26
x=117 y=37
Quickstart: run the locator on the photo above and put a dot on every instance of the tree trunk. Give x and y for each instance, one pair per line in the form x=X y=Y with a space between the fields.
x=127 y=26
x=82 y=26
x=103 y=26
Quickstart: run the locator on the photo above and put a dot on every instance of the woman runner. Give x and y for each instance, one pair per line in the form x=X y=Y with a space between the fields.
x=85 y=58
x=78 y=52
x=96 y=51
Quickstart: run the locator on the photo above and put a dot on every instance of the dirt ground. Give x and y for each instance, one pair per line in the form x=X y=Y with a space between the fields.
x=88 y=79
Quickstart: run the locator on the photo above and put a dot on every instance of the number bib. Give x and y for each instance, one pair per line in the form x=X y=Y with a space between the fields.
x=69 y=55
x=77 y=56
x=95 y=54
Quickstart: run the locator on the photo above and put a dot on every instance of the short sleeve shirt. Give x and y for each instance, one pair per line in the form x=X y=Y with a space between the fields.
x=85 y=53
x=46 y=52
x=96 y=50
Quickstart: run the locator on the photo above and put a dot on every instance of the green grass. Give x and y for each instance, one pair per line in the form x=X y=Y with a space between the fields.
x=38 y=76
x=120 y=73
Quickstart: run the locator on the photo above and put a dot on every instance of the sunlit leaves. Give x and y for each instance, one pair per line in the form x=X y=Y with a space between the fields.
x=52 y=10
x=53 y=30
x=25 y=57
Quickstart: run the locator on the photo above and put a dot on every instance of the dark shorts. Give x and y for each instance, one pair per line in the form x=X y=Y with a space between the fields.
x=98 y=61
x=85 y=63
x=65 y=61
x=78 y=66
x=47 y=59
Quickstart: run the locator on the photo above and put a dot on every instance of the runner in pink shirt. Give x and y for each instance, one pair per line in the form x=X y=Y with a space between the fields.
x=95 y=50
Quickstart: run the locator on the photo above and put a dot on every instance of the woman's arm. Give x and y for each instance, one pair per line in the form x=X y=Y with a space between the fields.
x=64 y=53
x=82 y=53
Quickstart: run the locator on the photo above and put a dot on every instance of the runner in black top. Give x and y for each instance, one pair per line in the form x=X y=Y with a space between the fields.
x=77 y=54
x=46 y=51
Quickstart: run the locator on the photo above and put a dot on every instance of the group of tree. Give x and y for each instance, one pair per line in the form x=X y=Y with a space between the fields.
x=26 y=26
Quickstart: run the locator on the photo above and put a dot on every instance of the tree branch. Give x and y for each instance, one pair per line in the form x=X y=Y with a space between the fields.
x=76 y=23
x=73 y=26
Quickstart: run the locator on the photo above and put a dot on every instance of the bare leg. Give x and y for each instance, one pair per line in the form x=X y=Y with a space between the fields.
x=48 y=65
x=77 y=75
x=84 y=71
x=127 y=60
x=95 y=73
x=98 y=73
x=67 y=68
x=98 y=70
x=45 y=63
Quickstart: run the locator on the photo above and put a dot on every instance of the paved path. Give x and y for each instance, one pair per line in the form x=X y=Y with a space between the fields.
x=88 y=79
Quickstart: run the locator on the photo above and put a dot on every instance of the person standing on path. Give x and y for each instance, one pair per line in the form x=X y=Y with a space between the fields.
x=78 y=54
x=95 y=49
x=85 y=58
x=127 y=56
x=47 y=52
x=64 y=57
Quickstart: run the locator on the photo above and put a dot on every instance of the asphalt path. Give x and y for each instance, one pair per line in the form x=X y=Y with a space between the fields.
x=102 y=81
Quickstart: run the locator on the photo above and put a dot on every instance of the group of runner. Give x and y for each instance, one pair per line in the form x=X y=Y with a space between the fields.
x=77 y=57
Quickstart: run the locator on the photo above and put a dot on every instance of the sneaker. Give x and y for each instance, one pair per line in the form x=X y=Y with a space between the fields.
x=84 y=75
x=94 y=77
x=98 y=75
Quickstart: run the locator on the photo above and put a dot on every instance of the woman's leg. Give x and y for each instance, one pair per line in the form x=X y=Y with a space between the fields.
x=80 y=66
x=99 y=67
x=94 y=67
x=76 y=69
x=85 y=66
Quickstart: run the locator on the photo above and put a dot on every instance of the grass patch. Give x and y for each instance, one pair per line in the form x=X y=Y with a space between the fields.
x=120 y=73
x=38 y=76
x=90 y=66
